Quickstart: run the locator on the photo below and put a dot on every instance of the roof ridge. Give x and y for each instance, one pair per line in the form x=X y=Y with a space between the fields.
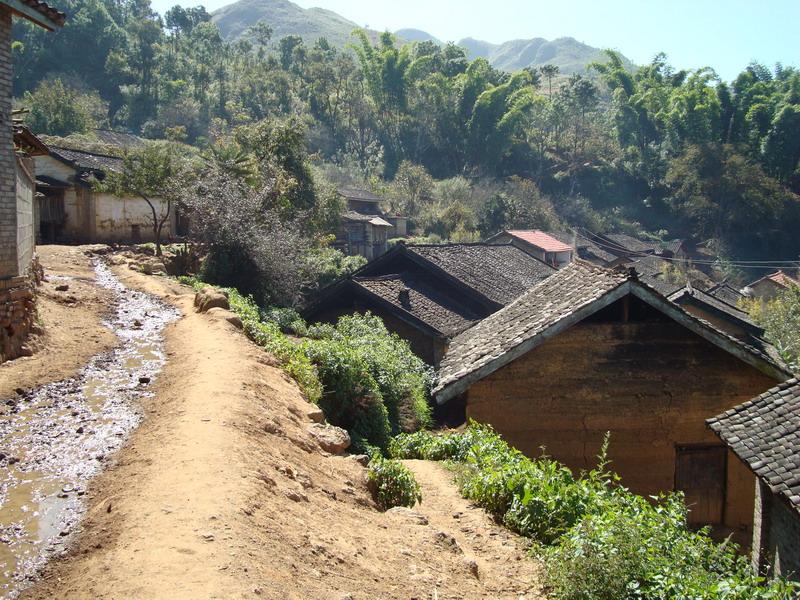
x=85 y=152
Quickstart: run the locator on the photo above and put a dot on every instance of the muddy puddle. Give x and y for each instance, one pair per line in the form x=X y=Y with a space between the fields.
x=55 y=438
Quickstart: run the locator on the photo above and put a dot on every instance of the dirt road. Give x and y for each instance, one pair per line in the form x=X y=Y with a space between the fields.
x=223 y=493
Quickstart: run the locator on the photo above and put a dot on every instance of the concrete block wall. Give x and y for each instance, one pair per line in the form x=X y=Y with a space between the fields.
x=26 y=234
x=9 y=263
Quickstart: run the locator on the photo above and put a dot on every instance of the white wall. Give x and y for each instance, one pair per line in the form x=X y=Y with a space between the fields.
x=26 y=236
x=115 y=217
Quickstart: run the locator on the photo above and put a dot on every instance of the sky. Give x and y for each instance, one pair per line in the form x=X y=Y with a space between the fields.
x=723 y=34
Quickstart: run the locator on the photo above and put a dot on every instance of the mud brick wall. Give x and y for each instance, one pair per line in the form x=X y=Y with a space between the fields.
x=652 y=385
x=776 y=535
x=17 y=312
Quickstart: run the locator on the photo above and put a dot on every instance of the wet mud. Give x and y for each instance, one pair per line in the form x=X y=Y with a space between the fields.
x=53 y=439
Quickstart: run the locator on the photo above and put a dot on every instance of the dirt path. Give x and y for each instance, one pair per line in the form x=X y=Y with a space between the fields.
x=223 y=493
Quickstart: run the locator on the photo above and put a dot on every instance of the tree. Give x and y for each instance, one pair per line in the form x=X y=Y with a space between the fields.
x=153 y=172
x=550 y=72
x=57 y=109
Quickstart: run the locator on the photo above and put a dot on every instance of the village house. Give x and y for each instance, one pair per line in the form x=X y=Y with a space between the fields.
x=428 y=294
x=730 y=319
x=764 y=433
x=770 y=286
x=19 y=272
x=543 y=246
x=591 y=350
x=726 y=292
x=365 y=229
x=72 y=210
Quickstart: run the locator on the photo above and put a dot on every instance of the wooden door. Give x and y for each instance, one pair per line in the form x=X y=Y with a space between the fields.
x=700 y=475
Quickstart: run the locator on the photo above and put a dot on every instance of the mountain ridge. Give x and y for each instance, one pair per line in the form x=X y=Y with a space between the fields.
x=287 y=18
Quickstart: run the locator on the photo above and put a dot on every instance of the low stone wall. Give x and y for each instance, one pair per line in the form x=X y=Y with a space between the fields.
x=18 y=312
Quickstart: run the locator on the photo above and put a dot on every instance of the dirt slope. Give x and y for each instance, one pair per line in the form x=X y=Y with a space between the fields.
x=222 y=493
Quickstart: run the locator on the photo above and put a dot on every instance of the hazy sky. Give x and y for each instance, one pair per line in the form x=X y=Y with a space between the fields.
x=724 y=34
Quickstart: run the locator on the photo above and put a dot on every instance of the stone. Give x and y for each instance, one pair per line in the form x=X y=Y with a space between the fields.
x=209 y=298
x=296 y=496
x=472 y=567
x=230 y=317
x=446 y=540
x=62 y=287
x=144 y=379
x=407 y=514
x=331 y=439
x=316 y=415
x=362 y=459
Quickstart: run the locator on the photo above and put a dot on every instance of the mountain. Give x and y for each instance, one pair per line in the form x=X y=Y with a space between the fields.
x=287 y=18
x=417 y=35
x=568 y=54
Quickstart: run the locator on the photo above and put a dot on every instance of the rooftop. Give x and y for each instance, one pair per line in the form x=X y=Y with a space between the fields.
x=419 y=296
x=360 y=195
x=38 y=12
x=765 y=433
x=563 y=299
x=91 y=161
x=500 y=273
x=376 y=220
x=726 y=293
x=540 y=239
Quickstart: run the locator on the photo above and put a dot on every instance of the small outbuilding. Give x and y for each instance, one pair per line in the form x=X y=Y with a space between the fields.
x=770 y=286
x=543 y=246
x=764 y=434
x=591 y=350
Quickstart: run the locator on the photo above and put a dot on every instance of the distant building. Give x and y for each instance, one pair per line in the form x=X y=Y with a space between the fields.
x=71 y=210
x=543 y=246
x=365 y=229
x=591 y=350
x=769 y=286
x=764 y=433
x=428 y=294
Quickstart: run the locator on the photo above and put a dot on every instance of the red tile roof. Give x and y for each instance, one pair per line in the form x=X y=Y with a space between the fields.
x=541 y=240
x=782 y=278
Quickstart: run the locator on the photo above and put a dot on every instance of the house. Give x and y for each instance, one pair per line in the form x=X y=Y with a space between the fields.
x=428 y=294
x=72 y=210
x=770 y=286
x=19 y=273
x=365 y=229
x=727 y=293
x=591 y=350
x=730 y=319
x=764 y=433
x=543 y=246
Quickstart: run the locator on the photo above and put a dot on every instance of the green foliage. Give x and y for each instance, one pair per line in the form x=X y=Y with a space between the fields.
x=393 y=483
x=374 y=385
x=780 y=318
x=596 y=538
x=57 y=109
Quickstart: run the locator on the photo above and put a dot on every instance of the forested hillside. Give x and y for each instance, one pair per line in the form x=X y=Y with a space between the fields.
x=465 y=148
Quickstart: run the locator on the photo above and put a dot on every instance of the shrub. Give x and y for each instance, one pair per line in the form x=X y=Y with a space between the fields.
x=393 y=484
x=597 y=539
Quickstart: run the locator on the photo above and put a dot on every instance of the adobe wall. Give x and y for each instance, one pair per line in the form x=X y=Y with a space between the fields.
x=776 y=535
x=651 y=384
x=115 y=217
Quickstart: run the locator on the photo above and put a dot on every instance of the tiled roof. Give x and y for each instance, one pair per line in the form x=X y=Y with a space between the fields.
x=360 y=195
x=587 y=249
x=420 y=296
x=709 y=300
x=52 y=15
x=120 y=139
x=726 y=292
x=671 y=246
x=629 y=243
x=765 y=433
x=778 y=277
x=376 y=220
x=565 y=298
x=90 y=161
x=540 y=239
x=576 y=286
x=500 y=273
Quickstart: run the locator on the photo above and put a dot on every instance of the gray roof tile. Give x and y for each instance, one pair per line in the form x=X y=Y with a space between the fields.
x=765 y=433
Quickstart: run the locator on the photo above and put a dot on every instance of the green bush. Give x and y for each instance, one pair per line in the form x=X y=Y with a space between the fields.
x=393 y=484
x=597 y=539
